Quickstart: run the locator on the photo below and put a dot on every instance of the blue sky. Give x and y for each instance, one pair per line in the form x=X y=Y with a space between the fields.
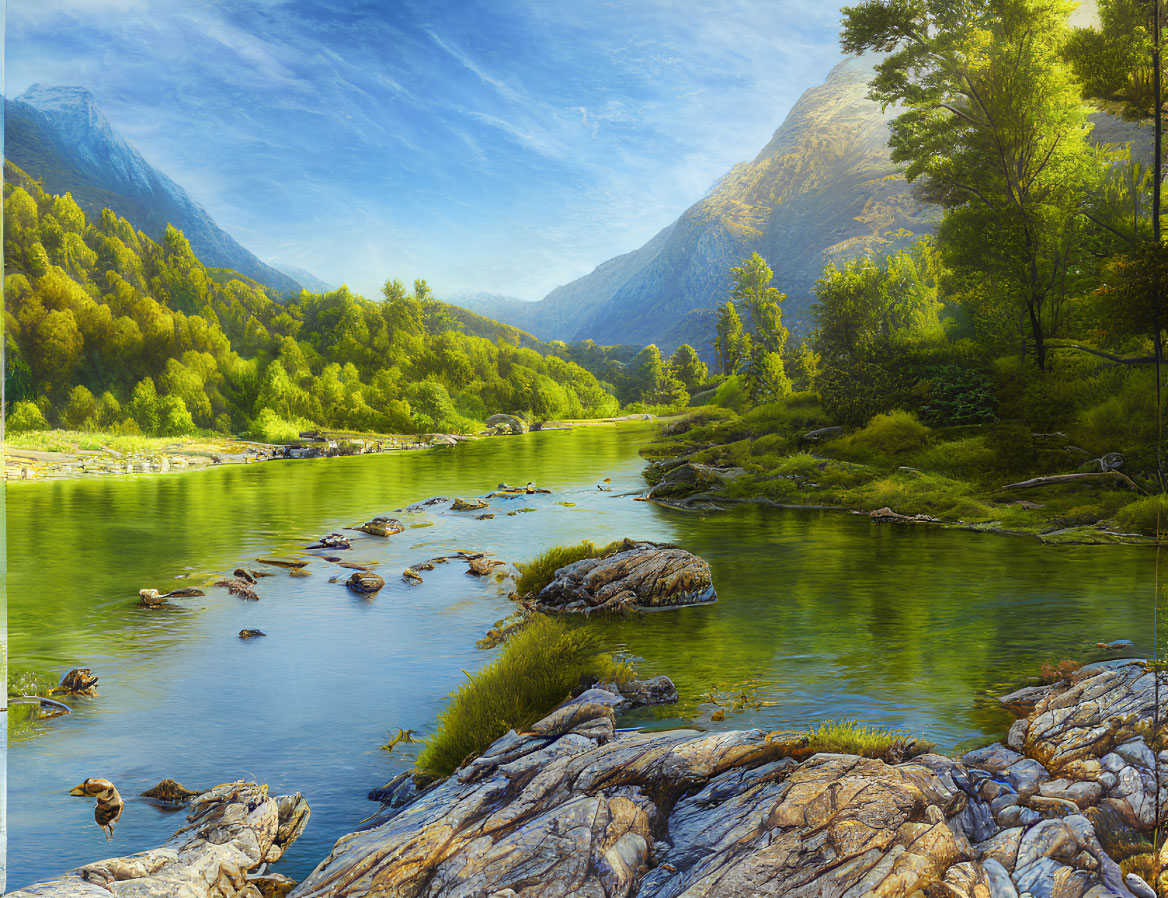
x=502 y=145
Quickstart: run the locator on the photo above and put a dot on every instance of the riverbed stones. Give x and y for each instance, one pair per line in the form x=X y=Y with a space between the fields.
x=231 y=830
x=645 y=575
x=468 y=505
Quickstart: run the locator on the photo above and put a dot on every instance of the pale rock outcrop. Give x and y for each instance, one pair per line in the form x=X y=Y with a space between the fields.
x=231 y=830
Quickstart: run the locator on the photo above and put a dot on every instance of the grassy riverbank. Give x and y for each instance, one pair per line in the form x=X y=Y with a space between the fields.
x=965 y=475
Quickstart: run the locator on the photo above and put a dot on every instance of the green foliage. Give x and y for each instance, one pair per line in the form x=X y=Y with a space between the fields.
x=25 y=416
x=996 y=132
x=732 y=394
x=1113 y=62
x=766 y=379
x=958 y=395
x=889 y=435
x=268 y=427
x=178 y=347
x=1148 y=515
x=687 y=367
x=541 y=570
x=751 y=287
x=539 y=666
x=732 y=346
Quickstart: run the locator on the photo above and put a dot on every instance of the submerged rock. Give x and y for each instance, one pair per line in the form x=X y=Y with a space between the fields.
x=239 y=588
x=646 y=575
x=170 y=792
x=231 y=830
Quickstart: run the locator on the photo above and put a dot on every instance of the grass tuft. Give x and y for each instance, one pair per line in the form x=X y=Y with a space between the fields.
x=849 y=737
x=539 y=666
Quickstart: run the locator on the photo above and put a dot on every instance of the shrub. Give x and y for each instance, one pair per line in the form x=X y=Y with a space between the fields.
x=541 y=570
x=959 y=395
x=1144 y=515
x=539 y=666
x=81 y=410
x=892 y=434
x=732 y=394
x=268 y=427
x=26 y=416
x=1012 y=446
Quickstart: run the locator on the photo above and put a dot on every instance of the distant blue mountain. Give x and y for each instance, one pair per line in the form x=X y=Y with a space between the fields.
x=59 y=136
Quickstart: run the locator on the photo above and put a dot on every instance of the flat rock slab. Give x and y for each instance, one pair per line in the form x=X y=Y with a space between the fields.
x=231 y=830
x=648 y=575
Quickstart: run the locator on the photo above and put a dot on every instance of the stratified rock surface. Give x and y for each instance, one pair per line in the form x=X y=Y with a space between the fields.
x=647 y=575
x=231 y=830
x=570 y=809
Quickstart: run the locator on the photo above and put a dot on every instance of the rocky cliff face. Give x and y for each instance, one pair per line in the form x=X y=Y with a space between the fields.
x=60 y=136
x=823 y=189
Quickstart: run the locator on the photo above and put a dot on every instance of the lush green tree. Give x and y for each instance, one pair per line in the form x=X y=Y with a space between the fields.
x=81 y=410
x=995 y=130
x=25 y=416
x=751 y=287
x=766 y=379
x=687 y=366
x=731 y=346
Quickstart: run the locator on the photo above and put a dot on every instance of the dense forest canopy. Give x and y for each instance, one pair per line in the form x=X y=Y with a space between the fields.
x=108 y=329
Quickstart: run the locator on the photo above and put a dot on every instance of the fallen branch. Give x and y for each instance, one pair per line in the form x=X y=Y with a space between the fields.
x=1054 y=479
x=1119 y=360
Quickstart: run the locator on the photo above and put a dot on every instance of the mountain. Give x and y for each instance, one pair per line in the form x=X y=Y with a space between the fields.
x=60 y=136
x=823 y=190
x=306 y=279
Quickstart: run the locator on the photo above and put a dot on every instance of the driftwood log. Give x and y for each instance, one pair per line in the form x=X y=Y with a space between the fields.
x=1054 y=479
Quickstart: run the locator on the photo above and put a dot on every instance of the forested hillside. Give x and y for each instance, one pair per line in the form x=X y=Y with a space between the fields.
x=108 y=329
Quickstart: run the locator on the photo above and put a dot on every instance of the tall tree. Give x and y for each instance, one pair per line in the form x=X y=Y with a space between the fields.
x=688 y=367
x=995 y=129
x=752 y=288
x=731 y=345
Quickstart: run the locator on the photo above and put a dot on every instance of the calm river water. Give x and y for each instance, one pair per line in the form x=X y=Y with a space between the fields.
x=820 y=615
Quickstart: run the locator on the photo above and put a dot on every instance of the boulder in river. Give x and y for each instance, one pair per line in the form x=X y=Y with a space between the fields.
x=382 y=527
x=365 y=582
x=688 y=479
x=646 y=575
x=464 y=505
x=231 y=830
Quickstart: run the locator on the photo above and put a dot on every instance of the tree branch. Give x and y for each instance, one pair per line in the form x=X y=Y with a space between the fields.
x=1119 y=360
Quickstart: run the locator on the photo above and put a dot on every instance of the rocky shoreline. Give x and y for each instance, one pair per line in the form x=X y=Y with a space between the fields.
x=1066 y=808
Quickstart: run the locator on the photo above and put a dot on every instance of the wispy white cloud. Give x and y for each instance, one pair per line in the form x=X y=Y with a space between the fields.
x=505 y=146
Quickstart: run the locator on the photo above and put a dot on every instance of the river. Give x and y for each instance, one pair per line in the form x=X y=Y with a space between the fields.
x=820 y=615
